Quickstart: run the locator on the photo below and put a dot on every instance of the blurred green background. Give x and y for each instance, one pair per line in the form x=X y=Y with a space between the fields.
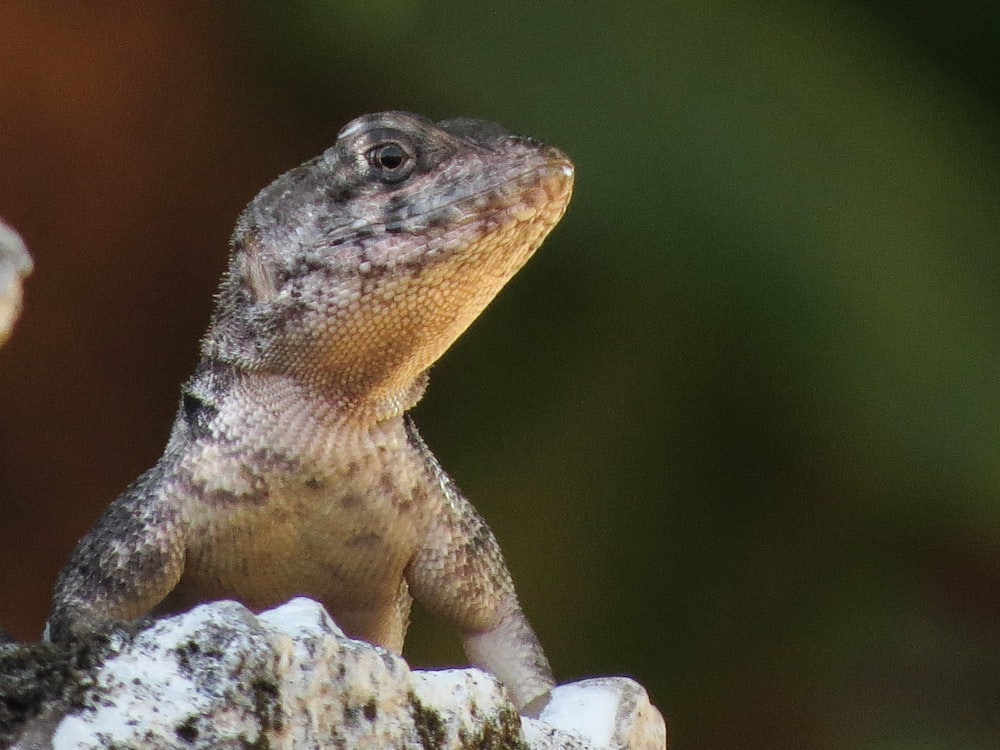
x=736 y=425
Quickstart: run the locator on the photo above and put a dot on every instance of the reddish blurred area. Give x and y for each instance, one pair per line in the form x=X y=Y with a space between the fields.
x=126 y=159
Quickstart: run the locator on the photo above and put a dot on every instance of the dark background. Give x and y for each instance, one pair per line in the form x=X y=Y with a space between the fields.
x=736 y=425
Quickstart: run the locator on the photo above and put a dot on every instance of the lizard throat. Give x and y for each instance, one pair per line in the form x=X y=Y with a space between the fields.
x=416 y=291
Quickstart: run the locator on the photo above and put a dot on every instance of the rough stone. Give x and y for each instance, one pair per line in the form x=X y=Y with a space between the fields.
x=221 y=677
x=15 y=264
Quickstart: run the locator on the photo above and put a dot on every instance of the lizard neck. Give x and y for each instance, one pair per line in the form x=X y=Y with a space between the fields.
x=283 y=415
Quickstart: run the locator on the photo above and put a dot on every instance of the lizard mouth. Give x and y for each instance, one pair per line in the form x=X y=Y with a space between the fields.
x=526 y=195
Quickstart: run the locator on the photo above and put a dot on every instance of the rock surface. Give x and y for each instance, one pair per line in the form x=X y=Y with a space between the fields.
x=221 y=677
x=15 y=264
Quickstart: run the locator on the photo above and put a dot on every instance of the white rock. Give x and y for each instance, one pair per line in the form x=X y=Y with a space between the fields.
x=606 y=712
x=220 y=677
x=15 y=265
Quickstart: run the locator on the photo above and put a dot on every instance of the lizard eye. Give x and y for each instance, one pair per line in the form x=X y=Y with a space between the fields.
x=390 y=161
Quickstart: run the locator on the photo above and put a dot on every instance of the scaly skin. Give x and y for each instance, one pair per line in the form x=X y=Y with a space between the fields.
x=292 y=468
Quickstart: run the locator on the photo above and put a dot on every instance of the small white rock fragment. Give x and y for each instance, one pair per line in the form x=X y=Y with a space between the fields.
x=15 y=265
x=609 y=712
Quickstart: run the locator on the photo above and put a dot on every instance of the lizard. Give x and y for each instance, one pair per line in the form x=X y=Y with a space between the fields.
x=293 y=467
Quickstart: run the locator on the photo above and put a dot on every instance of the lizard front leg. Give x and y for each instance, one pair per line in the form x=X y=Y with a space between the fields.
x=460 y=575
x=128 y=562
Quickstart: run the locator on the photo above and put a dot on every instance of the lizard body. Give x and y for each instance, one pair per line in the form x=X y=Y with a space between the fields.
x=292 y=467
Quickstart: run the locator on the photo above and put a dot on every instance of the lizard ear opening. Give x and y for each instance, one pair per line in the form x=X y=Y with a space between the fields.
x=258 y=273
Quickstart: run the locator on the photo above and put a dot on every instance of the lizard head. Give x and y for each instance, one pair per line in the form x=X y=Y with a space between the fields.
x=357 y=270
